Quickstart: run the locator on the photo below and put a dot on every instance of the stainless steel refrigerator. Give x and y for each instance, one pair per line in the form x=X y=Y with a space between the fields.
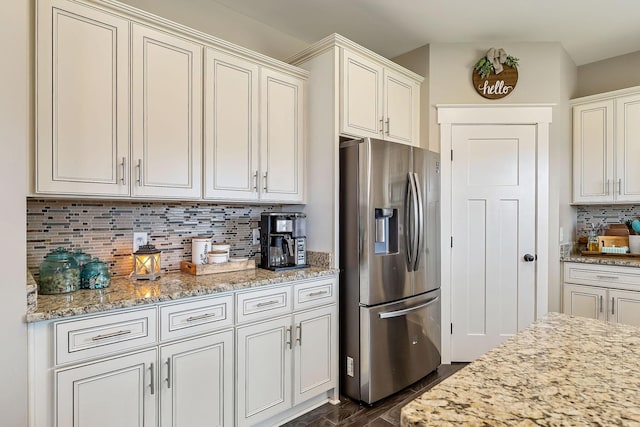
x=389 y=267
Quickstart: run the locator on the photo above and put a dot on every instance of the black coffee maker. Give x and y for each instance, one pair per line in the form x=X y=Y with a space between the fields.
x=283 y=240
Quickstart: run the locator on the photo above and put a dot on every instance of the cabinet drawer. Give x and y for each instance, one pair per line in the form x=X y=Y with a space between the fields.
x=179 y=320
x=261 y=304
x=314 y=293
x=602 y=275
x=102 y=335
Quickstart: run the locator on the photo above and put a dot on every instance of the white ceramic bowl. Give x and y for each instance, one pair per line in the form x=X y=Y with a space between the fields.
x=224 y=246
x=218 y=257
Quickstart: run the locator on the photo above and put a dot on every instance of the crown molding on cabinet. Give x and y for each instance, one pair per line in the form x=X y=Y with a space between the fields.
x=605 y=95
x=336 y=40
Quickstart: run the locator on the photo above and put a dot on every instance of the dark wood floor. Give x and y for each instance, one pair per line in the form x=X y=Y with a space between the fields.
x=384 y=413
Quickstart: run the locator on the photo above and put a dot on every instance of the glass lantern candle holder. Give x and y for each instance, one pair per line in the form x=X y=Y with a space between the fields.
x=146 y=263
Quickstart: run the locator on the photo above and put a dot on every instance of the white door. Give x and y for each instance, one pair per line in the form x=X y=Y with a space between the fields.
x=493 y=222
x=231 y=127
x=401 y=105
x=118 y=392
x=584 y=301
x=167 y=115
x=196 y=382
x=625 y=307
x=82 y=141
x=263 y=354
x=281 y=137
x=314 y=350
x=361 y=112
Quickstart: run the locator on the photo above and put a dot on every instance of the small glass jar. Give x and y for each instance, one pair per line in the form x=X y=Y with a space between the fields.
x=59 y=273
x=81 y=258
x=95 y=275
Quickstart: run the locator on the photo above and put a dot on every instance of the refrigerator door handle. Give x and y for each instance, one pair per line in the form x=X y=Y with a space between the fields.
x=419 y=212
x=398 y=313
x=415 y=240
x=407 y=217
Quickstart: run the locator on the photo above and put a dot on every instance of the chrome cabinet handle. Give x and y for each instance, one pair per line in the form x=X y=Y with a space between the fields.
x=265 y=181
x=600 y=303
x=264 y=304
x=600 y=276
x=619 y=186
x=123 y=165
x=152 y=384
x=299 y=337
x=289 y=337
x=255 y=181
x=139 y=167
x=168 y=372
x=200 y=317
x=613 y=307
x=315 y=294
x=387 y=122
x=111 y=335
x=381 y=125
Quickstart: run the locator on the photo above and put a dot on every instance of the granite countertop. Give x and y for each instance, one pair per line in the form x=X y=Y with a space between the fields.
x=604 y=260
x=127 y=292
x=561 y=370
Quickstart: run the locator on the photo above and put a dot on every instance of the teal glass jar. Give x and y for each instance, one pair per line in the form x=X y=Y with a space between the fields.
x=95 y=275
x=59 y=273
x=81 y=258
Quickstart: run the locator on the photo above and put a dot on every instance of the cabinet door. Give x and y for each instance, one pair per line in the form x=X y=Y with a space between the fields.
x=624 y=307
x=118 y=392
x=628 y=148
x=315 y=349
x=263 y=370
x=231 y=127
x=82 y=141
x=167 y=115
x=361 y=112
x=402 y=109
x=196 y=382
x=593 y=179
x=585 y=301
x=281 y=137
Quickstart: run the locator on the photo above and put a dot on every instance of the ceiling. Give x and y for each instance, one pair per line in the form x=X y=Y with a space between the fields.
x=589 y=30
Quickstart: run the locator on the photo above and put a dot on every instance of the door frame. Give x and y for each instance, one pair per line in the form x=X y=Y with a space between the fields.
x=533 y=114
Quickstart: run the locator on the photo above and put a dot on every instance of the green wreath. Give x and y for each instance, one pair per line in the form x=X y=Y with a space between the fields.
x=484 y=66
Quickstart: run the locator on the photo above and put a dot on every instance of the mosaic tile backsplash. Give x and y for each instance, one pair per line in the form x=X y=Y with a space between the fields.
x=603 y=215
x=104 y=229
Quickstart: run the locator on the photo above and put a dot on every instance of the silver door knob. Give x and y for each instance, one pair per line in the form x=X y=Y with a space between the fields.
x=529 y=258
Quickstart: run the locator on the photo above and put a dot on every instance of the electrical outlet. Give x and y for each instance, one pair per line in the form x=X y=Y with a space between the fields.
x=350 y=366
x=561 y=234
x=139 y=239
x=255 y=236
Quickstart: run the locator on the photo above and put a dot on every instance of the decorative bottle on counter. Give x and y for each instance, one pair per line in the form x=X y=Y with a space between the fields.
x=59 y=273
x=95 y=275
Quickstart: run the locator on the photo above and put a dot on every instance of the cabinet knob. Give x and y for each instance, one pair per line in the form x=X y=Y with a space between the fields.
x=529 y=257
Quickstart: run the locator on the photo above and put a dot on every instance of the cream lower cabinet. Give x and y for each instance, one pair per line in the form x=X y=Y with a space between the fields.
x=602 y=292
x=196 y=382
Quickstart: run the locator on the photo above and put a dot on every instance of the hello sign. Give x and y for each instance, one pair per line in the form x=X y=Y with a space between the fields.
x=495 y=75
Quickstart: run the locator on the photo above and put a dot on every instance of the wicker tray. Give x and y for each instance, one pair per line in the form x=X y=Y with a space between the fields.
x=225 y=267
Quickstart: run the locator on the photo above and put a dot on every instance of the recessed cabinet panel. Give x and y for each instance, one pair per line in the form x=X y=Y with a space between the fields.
x=628 y=148
x=167 y=110
x=361 y=109
x=281 y=139
x=585 y=301
x=231 y=127
x=82 y=101
x=400 y=96
x=624 y=307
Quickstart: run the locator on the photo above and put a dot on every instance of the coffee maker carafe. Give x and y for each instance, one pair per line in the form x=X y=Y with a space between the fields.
x=283 y=240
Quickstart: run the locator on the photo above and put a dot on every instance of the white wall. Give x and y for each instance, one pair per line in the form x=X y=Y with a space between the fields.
x=215 y=19
x=15 y=133
x=610 y=74
x=546 y=75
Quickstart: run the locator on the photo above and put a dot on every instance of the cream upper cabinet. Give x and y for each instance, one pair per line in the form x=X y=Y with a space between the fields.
x=281 y=137
x=166 y=125
x=82 y=135
x=231 y=126
x=254 y=146
x=377 y=101
x=606 y=146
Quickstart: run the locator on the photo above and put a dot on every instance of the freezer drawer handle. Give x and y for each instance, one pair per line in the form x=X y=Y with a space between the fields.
x=406 y=311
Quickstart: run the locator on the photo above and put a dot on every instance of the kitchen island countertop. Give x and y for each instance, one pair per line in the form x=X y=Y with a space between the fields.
x=560 y=370
x=126 y=292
